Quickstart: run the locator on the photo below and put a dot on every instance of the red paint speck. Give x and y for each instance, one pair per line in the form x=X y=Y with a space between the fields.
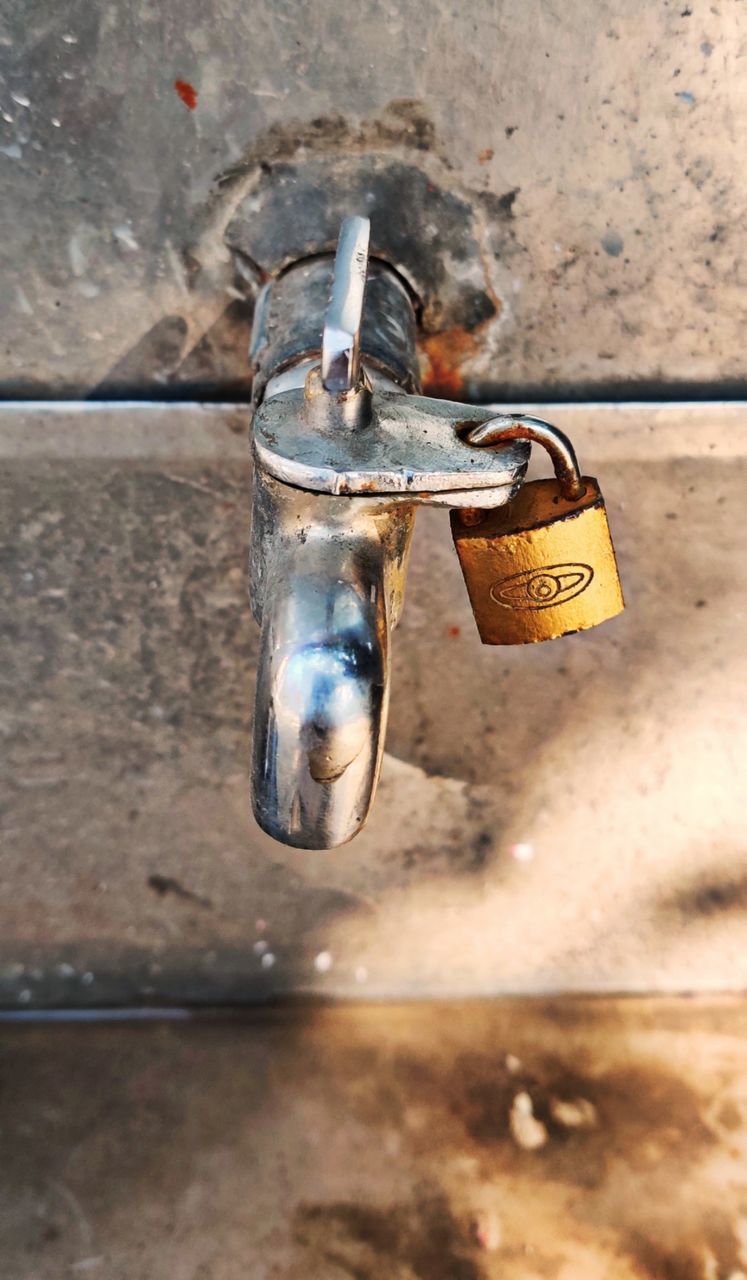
x=187 y=93
x=453 y=631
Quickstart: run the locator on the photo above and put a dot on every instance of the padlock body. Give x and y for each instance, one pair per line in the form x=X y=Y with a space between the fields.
x=541 y=567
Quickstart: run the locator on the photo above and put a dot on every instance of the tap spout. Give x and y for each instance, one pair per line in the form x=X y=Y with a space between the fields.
x=327 y=584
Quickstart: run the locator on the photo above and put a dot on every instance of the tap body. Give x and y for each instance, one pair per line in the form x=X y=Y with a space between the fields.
x=340 y=467
x=330 y=575
x=327 y=584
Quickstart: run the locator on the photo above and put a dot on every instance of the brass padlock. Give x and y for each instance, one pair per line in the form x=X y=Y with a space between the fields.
x=544 y=565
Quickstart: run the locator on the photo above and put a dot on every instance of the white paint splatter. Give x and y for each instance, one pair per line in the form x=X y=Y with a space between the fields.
x=574 y=1113
x=522 y=852
x=323 y=962
x=268 y=960
x=527 y=1131
x=87 y=978
x=55 y=120
x=21 y=99
x=123 y=235
x=23 y=303
x=260 y=947
x=77 y=255
x=69 y=38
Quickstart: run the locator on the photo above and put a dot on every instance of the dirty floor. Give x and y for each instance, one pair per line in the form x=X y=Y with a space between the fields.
x=571 y=1139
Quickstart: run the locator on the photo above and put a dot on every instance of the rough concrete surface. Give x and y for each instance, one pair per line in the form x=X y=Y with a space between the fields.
x=599 y=144
x=565 y=816
x=568 y=1140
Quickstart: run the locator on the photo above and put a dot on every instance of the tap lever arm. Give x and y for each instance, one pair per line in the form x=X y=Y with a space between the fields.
x=341 y=338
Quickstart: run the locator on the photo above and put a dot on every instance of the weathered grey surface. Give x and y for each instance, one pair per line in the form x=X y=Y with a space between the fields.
x=566 y=816
x=382 y=1144
x=603 y=142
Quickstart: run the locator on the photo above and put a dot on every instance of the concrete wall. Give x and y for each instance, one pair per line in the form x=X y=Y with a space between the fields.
x=598 y=142
x=565 y=816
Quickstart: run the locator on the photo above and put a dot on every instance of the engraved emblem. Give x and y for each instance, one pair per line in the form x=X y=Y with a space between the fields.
x=553 y=584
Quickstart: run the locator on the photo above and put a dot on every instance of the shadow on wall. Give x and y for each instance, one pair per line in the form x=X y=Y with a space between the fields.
x=216 y=368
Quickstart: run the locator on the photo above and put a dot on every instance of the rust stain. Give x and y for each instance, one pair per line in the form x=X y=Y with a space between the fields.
x=453 y=632
x=472 y=516
x=484 y=156
x=187 y=93
x=445 y=354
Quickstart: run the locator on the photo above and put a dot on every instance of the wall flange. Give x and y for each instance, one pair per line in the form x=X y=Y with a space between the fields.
x=424 y=231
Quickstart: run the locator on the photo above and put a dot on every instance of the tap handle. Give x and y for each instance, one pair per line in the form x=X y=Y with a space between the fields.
x=342 y=323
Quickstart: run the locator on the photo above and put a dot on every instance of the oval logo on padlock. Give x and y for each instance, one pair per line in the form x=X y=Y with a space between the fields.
x=552 y=584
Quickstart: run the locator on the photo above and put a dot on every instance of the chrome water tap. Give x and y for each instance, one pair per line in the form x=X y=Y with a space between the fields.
x=344 y=452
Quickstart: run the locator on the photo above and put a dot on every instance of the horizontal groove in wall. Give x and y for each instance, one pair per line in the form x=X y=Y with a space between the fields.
x=140 y=430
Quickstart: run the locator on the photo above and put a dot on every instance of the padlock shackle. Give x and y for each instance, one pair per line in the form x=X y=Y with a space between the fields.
x=523 y=426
